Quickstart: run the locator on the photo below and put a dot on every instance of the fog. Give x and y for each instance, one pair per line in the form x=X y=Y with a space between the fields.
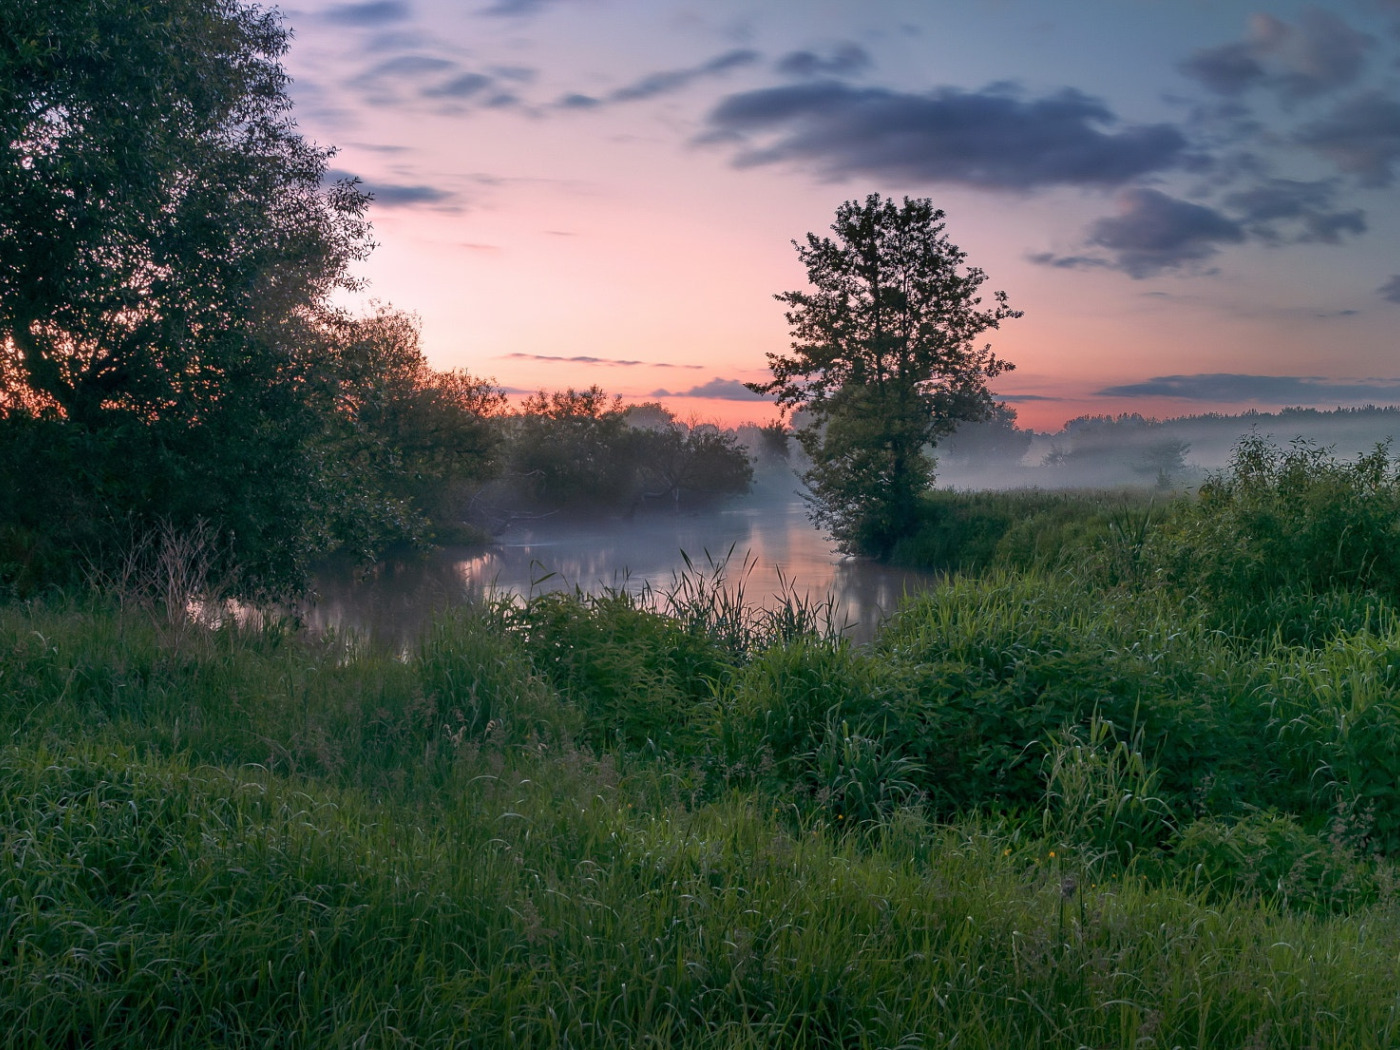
x=763 y=543
x=1130 y=450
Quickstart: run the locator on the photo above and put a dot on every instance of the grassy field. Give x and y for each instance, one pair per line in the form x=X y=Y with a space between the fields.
x=1086 y=804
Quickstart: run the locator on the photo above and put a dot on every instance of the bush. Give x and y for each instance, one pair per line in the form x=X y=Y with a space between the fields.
x=1269 y=855
x=638 y=677
x=1272 y=539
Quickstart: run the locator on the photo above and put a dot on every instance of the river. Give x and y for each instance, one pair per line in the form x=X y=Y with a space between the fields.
x=771 y=547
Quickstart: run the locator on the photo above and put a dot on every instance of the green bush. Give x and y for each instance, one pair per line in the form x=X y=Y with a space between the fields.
x=638 y=677
x=1270 y=542
x=1269 y=855
x=1019 y=529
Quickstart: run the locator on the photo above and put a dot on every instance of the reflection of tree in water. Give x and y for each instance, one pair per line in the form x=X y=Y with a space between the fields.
x=772 y=551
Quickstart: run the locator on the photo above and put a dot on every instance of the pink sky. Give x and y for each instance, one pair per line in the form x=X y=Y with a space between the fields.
x=563 y=179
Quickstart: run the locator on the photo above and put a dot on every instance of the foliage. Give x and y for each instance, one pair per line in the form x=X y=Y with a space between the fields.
x=884 y=362
x=404 y=437
x=250 y=835
x=165 y=243
x=699 y=461
x=1280 y=526
x=1048 y=807
x=638 y=678
x=1015 y=529
x=582 y=450
x=992 y=440
x=573 y=448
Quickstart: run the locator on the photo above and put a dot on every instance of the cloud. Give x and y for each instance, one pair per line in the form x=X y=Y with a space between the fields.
x=1229 y=69
x=722 y=389
x=463 y=86
x=397 y=195
x=406 y=66
x=373 y=13
x=516 y=8
x=989 y=139
x=1307 y=204
x=1290 y=390
x=1391 y=289
x=582 y=360
x=664 y=82
x=1361 y=136
x=1151 y=234
x=844 y=59
x=1318 y=54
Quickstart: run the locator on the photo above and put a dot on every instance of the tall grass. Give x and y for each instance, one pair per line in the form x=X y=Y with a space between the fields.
x=1044 y=808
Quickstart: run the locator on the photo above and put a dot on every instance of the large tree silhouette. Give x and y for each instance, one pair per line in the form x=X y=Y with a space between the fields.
x=884 y=361
x=166 y=243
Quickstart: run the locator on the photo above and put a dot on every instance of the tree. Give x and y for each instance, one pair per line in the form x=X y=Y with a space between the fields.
x=574 y=448
x=166 y=245
x=884 y=362
x=411 y=443
x=699 y=462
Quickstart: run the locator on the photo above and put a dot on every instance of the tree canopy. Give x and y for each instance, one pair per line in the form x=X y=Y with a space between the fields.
x=167 y=244
x=884 y=361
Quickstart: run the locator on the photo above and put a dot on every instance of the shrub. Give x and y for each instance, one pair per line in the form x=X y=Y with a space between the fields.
x=1269 y=855
x=638 y=677
x=1268 y=540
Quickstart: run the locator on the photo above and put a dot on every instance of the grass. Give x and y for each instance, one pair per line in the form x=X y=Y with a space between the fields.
x=255 y=838
x=1071 y=799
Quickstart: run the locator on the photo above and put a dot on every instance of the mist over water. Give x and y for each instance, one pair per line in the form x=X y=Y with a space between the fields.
x=775 y=551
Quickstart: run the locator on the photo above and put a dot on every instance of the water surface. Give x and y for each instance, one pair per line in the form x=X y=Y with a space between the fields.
x=775 y=551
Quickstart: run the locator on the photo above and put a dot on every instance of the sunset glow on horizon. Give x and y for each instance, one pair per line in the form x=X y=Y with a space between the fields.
x=1193 y=206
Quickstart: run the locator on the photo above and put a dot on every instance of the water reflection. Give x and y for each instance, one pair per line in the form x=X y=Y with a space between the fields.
x=782 y=550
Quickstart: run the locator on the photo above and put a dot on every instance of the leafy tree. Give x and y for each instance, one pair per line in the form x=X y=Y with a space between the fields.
x=410 y=443
x=701 y=462
x=884 y=363
x=574 y=448
x=166 y=244
x=993 y=440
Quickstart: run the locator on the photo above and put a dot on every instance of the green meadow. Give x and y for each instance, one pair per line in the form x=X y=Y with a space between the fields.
x=1140 y=790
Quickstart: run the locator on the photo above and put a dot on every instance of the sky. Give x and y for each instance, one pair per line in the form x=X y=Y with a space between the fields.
x=1194 y=202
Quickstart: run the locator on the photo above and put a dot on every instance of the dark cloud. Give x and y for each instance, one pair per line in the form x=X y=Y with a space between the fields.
x=392 y=195
x=1016 y=398
x=662 y=83
x=843 y=60
x=373 y=13
x=1307 y=206
x=1391 y=289
x=581 y=360
x=1151 y=234
x=723 y=389
x=1230 y=69
x=1361 y=136
x=1318 y=54
x=1285 y=390
x=675 y=79
x=989 y=139
x=397 y=195
x=516 y=8
x=405 y=66
x=462 y=86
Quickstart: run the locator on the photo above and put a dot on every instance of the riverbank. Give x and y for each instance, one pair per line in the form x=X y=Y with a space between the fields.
x=1029 y=812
